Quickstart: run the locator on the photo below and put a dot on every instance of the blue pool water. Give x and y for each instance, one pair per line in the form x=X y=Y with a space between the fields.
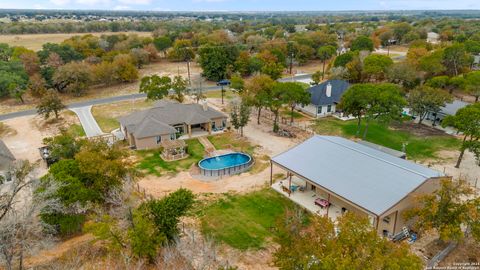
x=224 y=161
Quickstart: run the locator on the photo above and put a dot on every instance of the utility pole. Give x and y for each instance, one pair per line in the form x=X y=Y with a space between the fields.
x=291 y=62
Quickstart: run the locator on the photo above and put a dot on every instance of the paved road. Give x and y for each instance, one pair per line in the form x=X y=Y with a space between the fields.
x=126 y=97
x=297 y=78
x=89 y=123
x=400 y=55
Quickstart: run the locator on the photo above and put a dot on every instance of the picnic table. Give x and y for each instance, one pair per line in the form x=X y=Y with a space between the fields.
x=322 y=202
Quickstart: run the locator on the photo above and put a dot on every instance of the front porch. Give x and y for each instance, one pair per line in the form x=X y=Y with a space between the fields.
x=304 y=195
x=199 y=133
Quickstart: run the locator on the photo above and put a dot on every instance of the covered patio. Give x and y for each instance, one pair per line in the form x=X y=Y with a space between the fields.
x=199 y=133
x=302 y=194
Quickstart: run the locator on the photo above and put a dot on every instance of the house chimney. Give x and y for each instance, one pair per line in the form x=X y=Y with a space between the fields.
x=205 y=105
x=328 y=91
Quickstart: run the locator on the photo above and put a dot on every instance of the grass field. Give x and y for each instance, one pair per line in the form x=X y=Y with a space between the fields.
x=6 y=130
x=418 y=147
x=35 y=41
x=76 y=130
x=229 y=94
x=244 y=221
x=230 y=139
x=152 y=163
x=107 y=114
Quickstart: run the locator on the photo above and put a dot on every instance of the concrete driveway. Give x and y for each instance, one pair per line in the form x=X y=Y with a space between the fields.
x=89 y=123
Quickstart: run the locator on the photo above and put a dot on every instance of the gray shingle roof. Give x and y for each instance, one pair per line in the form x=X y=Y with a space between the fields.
x=163 y=115
x=152 y=127
x=318 y=92
x=452 y=108
x=363 y=175
x=5 y=152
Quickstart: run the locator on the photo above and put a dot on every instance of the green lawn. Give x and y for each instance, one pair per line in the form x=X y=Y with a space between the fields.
x=76 y=130
x=152 y=163
x=288 y=114
x=107 y=114
x=107 y=124
x=229 y=94
x=418 y=148
x=244 y=221
x=222 y=141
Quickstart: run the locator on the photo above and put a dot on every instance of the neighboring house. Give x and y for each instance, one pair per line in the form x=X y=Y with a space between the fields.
x=6 y=162
x=168 y=121
x=476 y=62
x=432 y=37
x=325 y=97
x=448 y=109
x=331 y=175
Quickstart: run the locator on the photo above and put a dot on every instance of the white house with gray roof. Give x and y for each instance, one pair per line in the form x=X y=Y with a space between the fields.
x=168 y=121
x=324 y=98
x=347 y=176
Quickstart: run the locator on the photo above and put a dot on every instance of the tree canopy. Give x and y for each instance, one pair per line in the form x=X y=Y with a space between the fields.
x=362 y=43
x=155 y=87
x=424 y=100
x=467 y=121
x=353 y=245
x=446 y=210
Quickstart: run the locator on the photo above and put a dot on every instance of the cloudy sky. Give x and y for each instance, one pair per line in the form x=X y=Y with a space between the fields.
x=242 y=5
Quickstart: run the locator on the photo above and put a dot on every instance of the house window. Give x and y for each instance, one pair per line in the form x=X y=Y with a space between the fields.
x=173 y=137
x=319 y=109
x=224 y=123
x=329 y=108
x=159 y=139
x=213 y=125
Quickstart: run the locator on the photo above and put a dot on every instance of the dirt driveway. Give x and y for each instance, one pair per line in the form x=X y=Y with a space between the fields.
x=28 y=135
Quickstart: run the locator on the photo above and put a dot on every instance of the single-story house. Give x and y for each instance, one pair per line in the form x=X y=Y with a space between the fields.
x=448 y=109
x=432 y=37
x=7 y=160
x=476 y=62
x=330 y=175
x=324 y=98
x=168 y=121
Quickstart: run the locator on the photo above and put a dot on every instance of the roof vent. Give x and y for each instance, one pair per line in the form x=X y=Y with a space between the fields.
x=328 y=91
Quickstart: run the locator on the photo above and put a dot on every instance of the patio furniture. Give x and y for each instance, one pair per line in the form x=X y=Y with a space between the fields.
x=294 y=188
x=322 y=202
x=285 y=189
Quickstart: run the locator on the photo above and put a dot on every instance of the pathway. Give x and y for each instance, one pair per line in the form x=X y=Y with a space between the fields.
x=89 y=124
x=209 y=147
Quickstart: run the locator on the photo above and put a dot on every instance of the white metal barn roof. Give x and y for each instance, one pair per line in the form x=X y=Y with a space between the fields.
x=365 y=176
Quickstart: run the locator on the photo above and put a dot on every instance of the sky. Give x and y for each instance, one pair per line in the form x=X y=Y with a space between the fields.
x=241 y=5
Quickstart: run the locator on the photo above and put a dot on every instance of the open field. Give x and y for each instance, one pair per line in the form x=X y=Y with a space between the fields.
x=244 y=221
x=107 y=114
x=228 y=95
x=25 y=134
x=420 y=144
x=231 y=140
x=161 y=68
x=35 y=41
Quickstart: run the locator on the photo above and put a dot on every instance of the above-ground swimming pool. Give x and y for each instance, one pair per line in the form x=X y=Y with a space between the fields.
x=227 y=164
